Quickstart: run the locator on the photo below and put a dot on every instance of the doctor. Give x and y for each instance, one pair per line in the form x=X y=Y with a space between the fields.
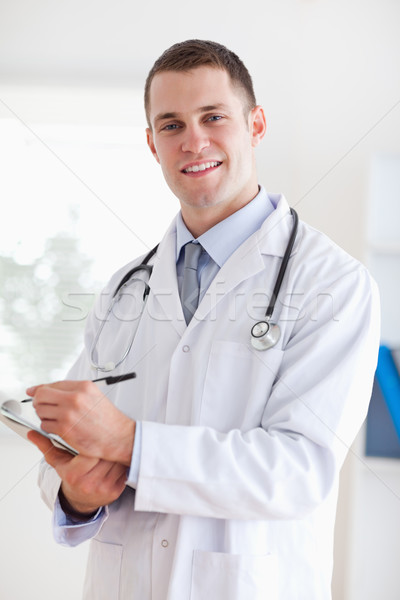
x=214 y=474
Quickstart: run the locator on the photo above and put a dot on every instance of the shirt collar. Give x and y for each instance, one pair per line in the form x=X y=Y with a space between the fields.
x=221 y=241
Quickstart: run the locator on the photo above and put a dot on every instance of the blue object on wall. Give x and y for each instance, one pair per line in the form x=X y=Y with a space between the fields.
x=389 y=381
x=381 y=438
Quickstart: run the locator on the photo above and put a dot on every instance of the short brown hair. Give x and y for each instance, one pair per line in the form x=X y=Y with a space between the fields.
x=191 y=54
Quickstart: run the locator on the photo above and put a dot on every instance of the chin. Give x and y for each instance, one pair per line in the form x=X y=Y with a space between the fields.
x=202 y=199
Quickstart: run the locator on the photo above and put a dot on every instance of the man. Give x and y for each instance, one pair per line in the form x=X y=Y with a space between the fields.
x=214 y=474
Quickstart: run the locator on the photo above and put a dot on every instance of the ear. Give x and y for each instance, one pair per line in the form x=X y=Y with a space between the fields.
x=150 y=143
x=257 y=125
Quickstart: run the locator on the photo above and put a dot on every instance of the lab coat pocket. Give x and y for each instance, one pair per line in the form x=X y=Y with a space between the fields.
x=238 y=384
x=219 y=576
x=103 y=572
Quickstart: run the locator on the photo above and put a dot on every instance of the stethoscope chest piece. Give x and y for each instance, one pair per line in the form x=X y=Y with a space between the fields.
x=265 y=335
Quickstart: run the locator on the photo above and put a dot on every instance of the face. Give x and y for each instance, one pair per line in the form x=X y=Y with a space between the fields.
x=203 y=140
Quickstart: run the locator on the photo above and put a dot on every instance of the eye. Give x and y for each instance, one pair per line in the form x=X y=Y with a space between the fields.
x=214 y=118
x=170 y=127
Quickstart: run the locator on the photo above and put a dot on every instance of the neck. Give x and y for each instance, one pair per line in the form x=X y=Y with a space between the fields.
x=199 y=219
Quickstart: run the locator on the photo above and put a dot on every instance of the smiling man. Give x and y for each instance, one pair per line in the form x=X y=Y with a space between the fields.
x=203 y=131
x=213 y=475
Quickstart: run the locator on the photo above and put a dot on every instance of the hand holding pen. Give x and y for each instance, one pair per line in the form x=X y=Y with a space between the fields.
x=110 y=380
x=85 y=418
x=103 y=436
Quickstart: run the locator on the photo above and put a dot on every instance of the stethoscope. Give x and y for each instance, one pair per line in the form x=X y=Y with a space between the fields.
x=128 y=279
x=264 y=334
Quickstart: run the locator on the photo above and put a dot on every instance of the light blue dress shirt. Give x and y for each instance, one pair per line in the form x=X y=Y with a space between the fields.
x=218 y=243
x=221 y=241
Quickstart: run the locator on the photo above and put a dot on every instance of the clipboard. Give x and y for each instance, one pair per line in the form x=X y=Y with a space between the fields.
x=22 y=417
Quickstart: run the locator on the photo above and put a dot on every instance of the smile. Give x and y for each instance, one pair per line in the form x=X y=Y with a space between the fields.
x=201 y=167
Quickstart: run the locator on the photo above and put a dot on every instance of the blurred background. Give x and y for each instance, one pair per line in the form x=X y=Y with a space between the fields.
x=81 y=195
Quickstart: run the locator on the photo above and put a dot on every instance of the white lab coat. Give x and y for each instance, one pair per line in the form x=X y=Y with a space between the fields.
x=241 y=449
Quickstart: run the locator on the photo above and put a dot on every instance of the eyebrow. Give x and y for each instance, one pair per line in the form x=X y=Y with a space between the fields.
x=200 y=110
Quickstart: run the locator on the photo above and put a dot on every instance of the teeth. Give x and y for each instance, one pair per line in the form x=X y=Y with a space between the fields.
x=202 y=167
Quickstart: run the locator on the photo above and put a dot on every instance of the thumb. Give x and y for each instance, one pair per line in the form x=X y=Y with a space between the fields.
x=52 y=455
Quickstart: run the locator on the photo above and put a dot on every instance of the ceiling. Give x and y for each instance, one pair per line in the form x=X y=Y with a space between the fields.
x=96 y=40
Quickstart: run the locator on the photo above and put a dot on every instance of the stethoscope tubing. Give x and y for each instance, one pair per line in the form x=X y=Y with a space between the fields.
x=282 y=270
x=256 y=339
x=142 y=267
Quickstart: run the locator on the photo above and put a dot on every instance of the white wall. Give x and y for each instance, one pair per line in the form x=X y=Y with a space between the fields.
x=327 y=74
x=31 y=564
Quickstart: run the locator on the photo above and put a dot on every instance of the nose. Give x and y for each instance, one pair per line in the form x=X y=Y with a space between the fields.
x=195 y=139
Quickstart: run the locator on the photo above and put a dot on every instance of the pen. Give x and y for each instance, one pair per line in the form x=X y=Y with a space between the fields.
x=108 y=381
x=115 y=379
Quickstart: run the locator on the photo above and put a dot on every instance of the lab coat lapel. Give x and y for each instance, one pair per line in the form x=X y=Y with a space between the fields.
x=271 y=239
x=274 y=234
x=164 y=304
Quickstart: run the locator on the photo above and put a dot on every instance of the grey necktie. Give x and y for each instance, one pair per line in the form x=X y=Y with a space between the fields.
x=190 y=284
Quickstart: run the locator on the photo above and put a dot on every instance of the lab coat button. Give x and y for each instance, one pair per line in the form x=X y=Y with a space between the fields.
x=164 y=543
x=186 y=348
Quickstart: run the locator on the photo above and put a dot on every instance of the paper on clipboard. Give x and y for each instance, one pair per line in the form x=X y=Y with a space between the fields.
x=22 y=418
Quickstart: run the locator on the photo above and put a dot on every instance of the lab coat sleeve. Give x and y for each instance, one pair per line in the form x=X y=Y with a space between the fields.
x=288 y=466
x=65 y=533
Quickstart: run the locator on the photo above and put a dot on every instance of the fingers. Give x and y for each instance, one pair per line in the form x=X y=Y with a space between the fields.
x=55 y=394
x=65 y=400
x=61 y=460
x=106 y=471
x=109 y=479
x=103 y=483
x=88 y=482
x=52 y=455
x=64 y=405
x=99 y=475
x=49 y=405
x=31 y=391
x=64 y=385
x=85 y=418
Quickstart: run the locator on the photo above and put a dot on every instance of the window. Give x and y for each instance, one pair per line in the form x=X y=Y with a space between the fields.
x=82 y=196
